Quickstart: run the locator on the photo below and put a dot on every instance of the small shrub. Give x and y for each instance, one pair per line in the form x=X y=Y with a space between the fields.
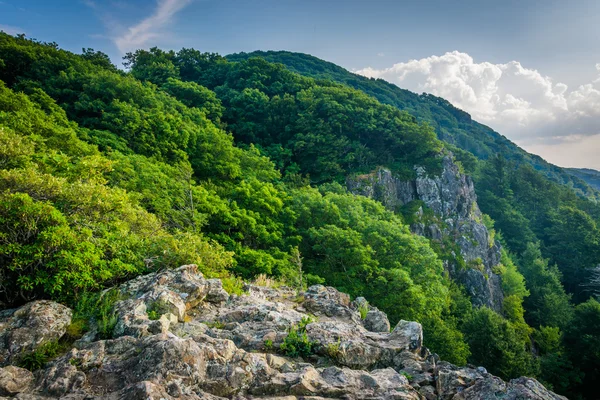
x=215 y=324
x=100 y=308
x=296 y=343
x=407 y=375
x=233 y=285
x=265 y=281
x=37 y=359
x=106 y=317
x=363 y=309
x=268 y=344
x=153 y=315
x=76 y=329
x=332 y=350
x=298 y=299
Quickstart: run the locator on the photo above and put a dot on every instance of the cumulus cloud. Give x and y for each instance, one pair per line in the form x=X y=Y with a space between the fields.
x=519 y=102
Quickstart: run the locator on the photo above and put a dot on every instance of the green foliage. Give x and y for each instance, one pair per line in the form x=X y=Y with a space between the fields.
x=190 y=158
x=582 y=339
x=407 y=375
x=332 y=350
x=297 y=343
x=363 y=310
x=497 y=344
x=153 y=315
x=37 y=359
x=268 y=344
x=215 y=324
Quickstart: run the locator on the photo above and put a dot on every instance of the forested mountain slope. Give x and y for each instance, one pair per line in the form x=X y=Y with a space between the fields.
x=451 y=124
x=590 y=176
x=241 y=167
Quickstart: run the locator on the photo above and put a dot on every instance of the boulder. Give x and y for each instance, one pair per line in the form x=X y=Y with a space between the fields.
x=27 y=328
x=376 y=321
x=14 y=380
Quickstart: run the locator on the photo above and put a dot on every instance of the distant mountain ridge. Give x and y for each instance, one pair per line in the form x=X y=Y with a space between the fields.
x=451 y=124
x=590 y=176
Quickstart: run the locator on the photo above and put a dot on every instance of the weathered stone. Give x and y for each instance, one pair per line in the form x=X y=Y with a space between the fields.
x=26 y=328
x=14 y=380
x=451 y=197
x=376 y=321
x=223 y=348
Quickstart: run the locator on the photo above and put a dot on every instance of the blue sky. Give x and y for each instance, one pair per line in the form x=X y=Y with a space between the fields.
x=526 y=68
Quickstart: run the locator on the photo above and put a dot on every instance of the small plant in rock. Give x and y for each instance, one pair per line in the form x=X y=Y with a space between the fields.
x=153 y=315
x=215 y=324
x=297 y=343
x=332 y=350
x=268 y=344
x=298 y=299
x=363 y=309
x=106 y=316
x=407 y=375
x=37 y=359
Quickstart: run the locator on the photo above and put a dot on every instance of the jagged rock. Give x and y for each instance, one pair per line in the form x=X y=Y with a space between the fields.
x=451 y=197
x=26 y=328
x=168 y=294
x=322 y=300
x=14 y=380
x=216 y=349
x=376 y=321
x=495 y=388
x=452 y=379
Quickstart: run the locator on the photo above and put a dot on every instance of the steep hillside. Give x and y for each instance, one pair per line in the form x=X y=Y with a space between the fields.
x=450 y=123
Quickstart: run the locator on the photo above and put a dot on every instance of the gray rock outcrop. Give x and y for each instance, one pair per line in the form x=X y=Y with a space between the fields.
x=456 y=218
x=206 y=344
x=25 y=329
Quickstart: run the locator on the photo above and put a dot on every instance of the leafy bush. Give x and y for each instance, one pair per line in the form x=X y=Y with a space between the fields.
x=297 y=343
x=363 y=309
x=37 y=359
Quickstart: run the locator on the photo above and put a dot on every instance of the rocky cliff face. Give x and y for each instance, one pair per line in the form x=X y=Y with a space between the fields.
x=450 y=216
x=206 y=344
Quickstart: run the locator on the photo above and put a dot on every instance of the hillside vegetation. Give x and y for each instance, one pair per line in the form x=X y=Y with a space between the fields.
x=236 y=166
x=452 y=125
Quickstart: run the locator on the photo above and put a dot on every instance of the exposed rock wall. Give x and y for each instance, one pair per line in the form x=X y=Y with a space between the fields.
x=209 y=345
x=451 y=197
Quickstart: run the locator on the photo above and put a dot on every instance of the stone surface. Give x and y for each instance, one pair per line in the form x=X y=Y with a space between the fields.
x=14 y=380
x=24 y=329
x=456 y=215
x=376 y=321
x=209 y=345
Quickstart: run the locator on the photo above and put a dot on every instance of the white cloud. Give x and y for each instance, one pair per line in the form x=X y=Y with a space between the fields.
x=11 y=30
x=150 y=28
x=518 y=102
x=149 y=31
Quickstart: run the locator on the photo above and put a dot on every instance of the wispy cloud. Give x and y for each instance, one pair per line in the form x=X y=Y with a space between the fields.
x=11 y=30
x=140 y=34
x=150 y=28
